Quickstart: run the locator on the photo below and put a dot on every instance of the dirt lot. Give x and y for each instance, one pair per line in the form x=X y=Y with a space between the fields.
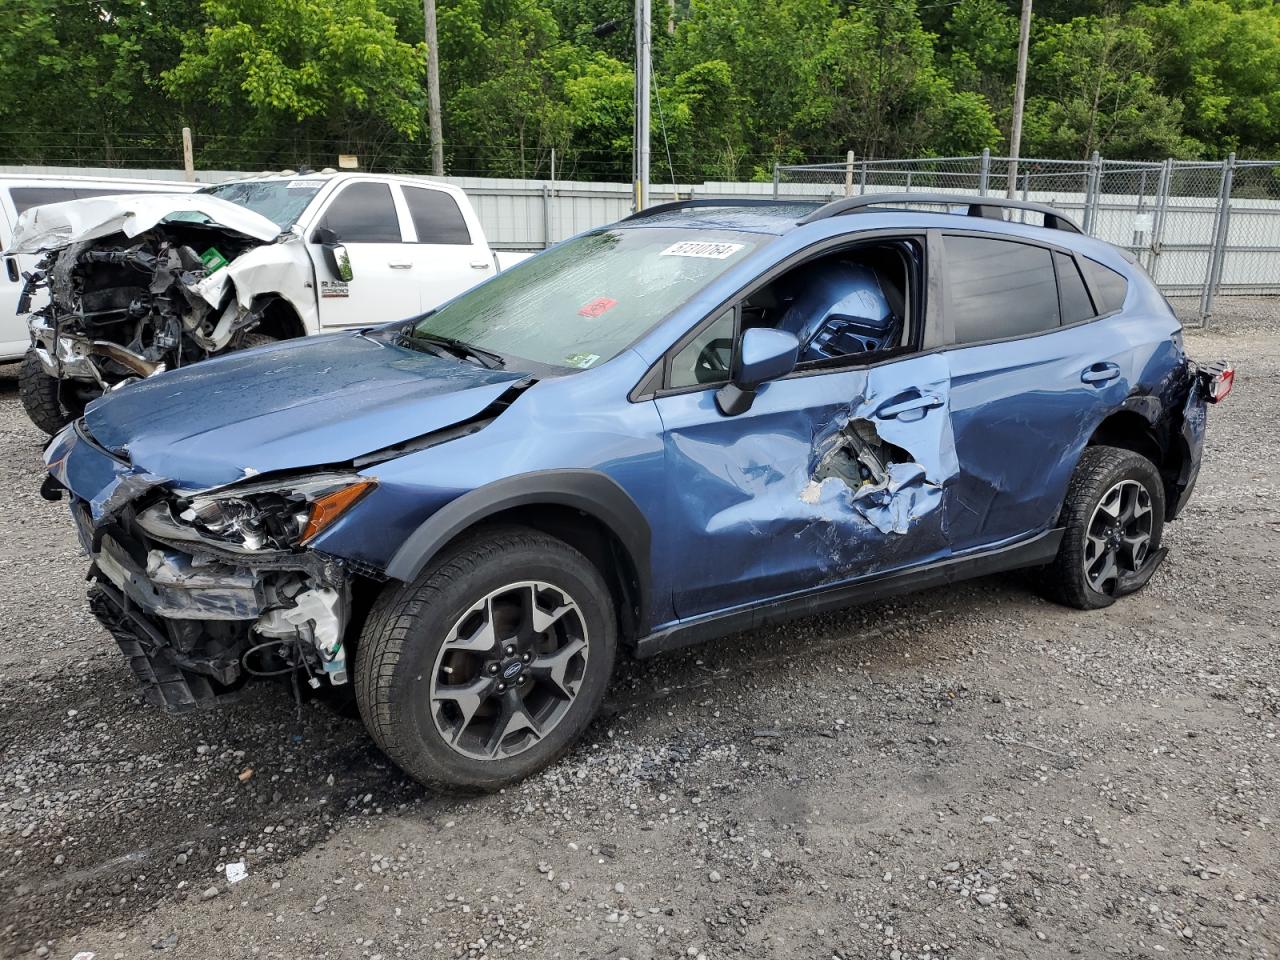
x=968 y=773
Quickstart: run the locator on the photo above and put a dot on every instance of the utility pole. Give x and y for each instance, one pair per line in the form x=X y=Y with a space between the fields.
x=433 y=89
x=644 y=52
x=1019 y=96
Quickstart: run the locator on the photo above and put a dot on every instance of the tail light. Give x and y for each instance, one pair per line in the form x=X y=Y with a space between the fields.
x=1218 y=379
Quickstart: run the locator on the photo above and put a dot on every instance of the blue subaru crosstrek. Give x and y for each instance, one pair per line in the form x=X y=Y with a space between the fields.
x=708 y=417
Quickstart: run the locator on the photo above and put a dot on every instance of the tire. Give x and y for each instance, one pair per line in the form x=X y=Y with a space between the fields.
x=247 y=341
x=411 y=660
x=1107 y=479
x=41 y=396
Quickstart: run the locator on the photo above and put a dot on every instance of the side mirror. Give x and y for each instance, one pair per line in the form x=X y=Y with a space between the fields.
x=336 y=257
x=765 y=355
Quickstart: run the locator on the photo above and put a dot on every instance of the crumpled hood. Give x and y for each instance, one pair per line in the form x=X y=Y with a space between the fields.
x=55 y=225
x=302 y=403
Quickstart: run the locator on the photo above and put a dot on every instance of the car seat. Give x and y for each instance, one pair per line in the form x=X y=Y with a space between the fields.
x=836 y=308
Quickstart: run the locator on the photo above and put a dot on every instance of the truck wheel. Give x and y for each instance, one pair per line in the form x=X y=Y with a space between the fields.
x=489 y=665
x=247 y=341
x=41 y=396
x=1114 y=517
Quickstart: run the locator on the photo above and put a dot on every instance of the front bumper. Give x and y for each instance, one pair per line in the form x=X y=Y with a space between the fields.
x=195 y=623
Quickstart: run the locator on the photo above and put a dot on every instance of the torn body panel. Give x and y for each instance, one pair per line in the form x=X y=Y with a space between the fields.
x=828 y=477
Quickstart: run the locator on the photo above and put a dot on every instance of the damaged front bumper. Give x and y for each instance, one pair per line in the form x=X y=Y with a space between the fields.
x=196 y=620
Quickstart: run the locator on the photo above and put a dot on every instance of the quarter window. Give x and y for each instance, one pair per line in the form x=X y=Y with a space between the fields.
x=999 y=289
x=707 y=358
x=364 y=213
x=1108 y=286
x=1076 y=305
x=436 y=216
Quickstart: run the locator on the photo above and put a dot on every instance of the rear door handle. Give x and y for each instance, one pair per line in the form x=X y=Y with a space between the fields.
x=399 y=265
x=480 y=264
x=1100 y=373
x=909 y=406
x=11 y=266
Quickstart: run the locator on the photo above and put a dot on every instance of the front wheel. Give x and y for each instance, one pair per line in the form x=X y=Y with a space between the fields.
x=1114 y=518
x=49 y=402
x=491 y=664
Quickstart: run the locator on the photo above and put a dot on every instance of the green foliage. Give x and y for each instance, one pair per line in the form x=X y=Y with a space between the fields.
x=738 y=84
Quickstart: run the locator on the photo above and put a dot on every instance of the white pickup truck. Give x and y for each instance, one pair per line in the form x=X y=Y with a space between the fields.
x=141 y=283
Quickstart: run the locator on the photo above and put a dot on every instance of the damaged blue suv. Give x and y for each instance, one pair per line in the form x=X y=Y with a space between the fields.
x=705 y=418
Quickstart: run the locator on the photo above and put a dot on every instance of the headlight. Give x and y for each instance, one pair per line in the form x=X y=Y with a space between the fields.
x=275 y=516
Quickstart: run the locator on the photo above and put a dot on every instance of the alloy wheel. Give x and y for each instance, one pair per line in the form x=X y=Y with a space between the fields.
x=1118 y=539
x=509 y=670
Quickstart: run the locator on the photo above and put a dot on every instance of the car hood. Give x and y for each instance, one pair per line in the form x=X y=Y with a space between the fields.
x=301 y=403
x=55 y=225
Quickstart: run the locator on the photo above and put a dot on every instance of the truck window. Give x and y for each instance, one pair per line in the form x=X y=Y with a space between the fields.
x=436 y=216
x=364 y=213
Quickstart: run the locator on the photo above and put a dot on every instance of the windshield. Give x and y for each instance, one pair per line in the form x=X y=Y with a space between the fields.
x=584 y=301
x=280 y=201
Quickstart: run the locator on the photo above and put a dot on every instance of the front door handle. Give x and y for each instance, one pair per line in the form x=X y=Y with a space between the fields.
x=399 y=265
x=11 y=266
x=1100 y=373
x=480 y=264
x=909 y=406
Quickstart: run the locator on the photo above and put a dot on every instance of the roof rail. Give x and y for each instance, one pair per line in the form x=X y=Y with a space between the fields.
x=700 y=202
x=988 y=207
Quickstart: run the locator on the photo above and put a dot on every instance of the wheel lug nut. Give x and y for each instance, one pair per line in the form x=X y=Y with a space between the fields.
x=502 y=687
x=527 y=657
x=493 y=668
x=510 y=649
x=521 y=679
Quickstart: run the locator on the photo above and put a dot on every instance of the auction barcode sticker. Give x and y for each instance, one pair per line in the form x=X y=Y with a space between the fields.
x=708 y=249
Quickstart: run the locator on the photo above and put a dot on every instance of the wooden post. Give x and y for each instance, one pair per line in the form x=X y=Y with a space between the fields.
x=188 y=155
x=848 y=174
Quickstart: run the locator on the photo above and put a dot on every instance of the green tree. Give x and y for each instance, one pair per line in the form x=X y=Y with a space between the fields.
x=1091 y=87
x=318 y=69
x=1224 y=61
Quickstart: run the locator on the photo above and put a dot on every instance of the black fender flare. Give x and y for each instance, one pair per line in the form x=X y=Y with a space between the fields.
x=595 y=494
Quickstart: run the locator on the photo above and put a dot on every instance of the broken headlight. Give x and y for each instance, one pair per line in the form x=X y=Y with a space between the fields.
x=274 y=516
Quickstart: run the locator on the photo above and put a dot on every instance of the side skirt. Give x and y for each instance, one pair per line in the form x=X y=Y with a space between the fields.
x=1039 y=550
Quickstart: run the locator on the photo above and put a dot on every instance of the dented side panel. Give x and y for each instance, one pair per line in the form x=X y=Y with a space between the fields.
x=828 y=477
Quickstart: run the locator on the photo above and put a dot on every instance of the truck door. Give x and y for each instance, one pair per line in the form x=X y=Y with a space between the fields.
x=367 y=218
x=452 y=255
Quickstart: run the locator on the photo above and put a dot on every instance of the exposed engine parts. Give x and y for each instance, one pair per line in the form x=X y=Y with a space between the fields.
x=122 y=308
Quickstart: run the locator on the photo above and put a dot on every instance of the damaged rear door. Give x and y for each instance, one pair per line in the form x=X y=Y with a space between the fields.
x=831 y=475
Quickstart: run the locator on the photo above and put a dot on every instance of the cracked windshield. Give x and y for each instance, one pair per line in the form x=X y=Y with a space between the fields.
x=583 y=302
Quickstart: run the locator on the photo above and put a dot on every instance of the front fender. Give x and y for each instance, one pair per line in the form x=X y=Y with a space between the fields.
x=280 y=269
x=594 y=493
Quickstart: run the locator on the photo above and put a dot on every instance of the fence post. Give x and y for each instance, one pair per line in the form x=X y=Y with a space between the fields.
x=1162 y=208
x=546 y=216
x=775 y=180
x=1092 y=186
x=1218 y=250
x=555 y=206
x=984 y=171
x=862 y=178
x=188 y=155
x=848 y=174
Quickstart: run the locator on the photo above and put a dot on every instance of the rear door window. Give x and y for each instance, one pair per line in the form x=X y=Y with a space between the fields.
x=999 y=288
x=364 y=213
x=436 y=217
x=1109 y=288
x=1076 y=305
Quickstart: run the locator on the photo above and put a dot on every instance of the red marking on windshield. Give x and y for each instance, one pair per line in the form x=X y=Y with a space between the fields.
x=597 y=307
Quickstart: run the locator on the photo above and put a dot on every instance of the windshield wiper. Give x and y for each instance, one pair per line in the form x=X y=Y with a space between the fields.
x=458 y=348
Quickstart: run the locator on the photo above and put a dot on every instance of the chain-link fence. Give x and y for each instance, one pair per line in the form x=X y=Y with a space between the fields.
x=1200 y=229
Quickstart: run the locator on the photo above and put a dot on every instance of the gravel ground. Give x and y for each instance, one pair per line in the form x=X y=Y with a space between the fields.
x=969 y=772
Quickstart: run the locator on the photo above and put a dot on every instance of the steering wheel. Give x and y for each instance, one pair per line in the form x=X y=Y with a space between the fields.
x=712 y=365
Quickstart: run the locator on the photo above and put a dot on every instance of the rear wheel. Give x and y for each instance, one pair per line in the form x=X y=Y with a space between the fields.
x=49 y=402
x=491 y=664
x=1114 y=518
